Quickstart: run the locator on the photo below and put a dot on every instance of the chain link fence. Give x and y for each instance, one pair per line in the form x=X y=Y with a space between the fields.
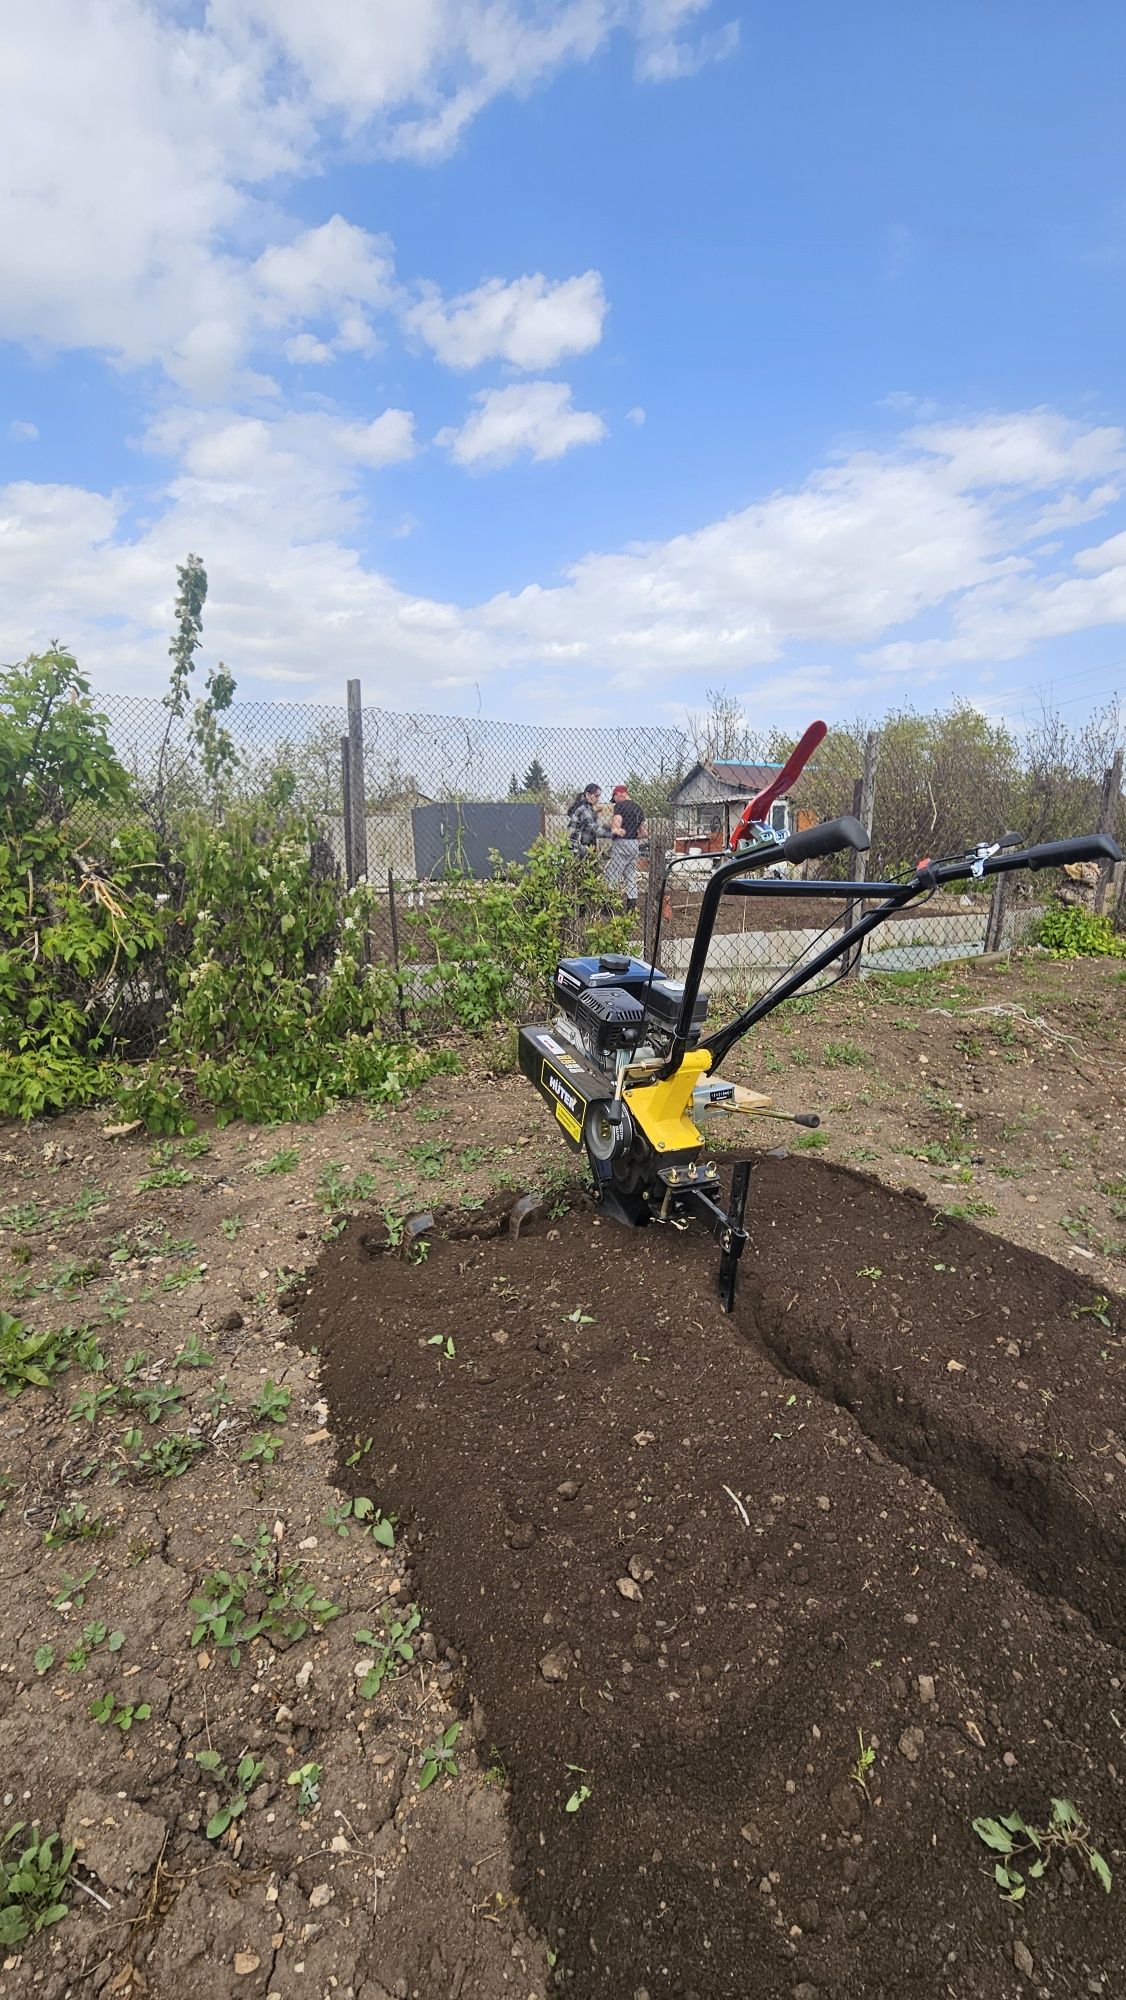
x=411 y=801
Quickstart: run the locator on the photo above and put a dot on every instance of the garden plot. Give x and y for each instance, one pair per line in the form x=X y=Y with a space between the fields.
x=760 y=1614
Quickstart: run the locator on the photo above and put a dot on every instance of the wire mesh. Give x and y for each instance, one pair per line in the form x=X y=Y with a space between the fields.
x=452 y=794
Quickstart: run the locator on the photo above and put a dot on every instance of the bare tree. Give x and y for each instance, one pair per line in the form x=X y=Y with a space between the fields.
x=720 y=733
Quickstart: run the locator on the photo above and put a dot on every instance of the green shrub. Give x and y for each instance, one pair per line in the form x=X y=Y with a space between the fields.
x=1076 y=933
x=496 y=943
x=78 y=884
x=273 y=1006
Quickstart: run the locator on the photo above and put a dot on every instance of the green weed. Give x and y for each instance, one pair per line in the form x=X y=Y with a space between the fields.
x=165 y=1177
x=75 y=1523
x=281 y=1162
x=438 y=1761
x=844 y=1055
x=866 y=1757
x=271 y=1405
x=263 y=1447
x=1012 y=1840
x=104 y=1709
x=392 y=1649
x=291 y=1604
x=247 y=1774
x=307 y=1778
x=33 y=1880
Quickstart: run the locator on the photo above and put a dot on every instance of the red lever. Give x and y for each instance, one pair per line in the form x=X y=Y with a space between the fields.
x=795 y=763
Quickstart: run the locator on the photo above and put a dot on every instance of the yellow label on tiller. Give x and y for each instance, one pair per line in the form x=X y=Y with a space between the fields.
x=568 y=1123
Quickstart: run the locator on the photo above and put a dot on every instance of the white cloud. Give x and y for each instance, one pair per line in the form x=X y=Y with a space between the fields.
x=387 y=441
x=322 y=270
x=888 y=564
x=141 y=145
x=22 y=431
x=531 y=322
x=636 y=415
x=1033 y=448
x=307 y=351
x=534 y=417
x=664 y=54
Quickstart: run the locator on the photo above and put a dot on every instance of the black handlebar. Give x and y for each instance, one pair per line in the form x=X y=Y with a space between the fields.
x=813 y=842
x=1049 y=854
x=1059 y=853
x=730 y=878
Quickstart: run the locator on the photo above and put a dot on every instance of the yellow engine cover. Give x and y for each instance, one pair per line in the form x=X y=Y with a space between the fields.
x=660 y=1110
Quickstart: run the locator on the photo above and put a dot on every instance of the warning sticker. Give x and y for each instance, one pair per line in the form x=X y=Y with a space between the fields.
x=568 y=1123
x=549 y=1042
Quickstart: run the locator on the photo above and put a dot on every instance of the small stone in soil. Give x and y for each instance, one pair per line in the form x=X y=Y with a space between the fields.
x=556 y=1665
x=1022 y=1959
x=910 y=1744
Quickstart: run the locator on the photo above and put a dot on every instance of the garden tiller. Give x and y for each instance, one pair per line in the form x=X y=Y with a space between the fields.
x=626 y=1065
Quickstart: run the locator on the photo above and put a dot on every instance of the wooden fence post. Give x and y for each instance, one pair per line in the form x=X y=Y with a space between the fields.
x=1108 y=821
x=864 y=807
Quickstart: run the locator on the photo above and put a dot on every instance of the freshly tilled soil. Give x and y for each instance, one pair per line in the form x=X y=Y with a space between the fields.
x=695 y=1563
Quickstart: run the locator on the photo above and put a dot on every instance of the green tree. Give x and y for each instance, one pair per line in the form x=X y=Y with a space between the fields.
x=535 y=783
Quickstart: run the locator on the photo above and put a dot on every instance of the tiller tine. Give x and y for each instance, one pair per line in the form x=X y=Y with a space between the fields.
x=414 y=1227
x=735 y=1236
x=528 y=1204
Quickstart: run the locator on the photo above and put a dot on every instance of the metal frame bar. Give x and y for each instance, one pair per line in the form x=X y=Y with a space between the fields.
x=929 y=875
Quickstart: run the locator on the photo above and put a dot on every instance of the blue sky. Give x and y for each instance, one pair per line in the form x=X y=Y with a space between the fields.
x=561 y=362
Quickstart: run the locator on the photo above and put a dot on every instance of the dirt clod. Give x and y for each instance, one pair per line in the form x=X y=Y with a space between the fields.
x=116 y=1839
x=1023 y=1959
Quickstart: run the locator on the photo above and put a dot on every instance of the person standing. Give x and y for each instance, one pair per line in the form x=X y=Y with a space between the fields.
x=627 y=830
x=583 y=825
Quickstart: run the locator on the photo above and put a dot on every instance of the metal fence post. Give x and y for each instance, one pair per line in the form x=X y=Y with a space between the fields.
x=357 y=805
x=394 y=915
x=346 y=790
x=995 y=919
x=864 y=807
x=1108 y=822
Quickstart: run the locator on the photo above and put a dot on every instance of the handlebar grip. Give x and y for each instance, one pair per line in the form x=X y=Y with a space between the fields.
x=1059 y=853
x=813 y=842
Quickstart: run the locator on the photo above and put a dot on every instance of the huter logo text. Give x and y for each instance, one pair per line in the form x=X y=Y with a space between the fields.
x=566 y=1097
